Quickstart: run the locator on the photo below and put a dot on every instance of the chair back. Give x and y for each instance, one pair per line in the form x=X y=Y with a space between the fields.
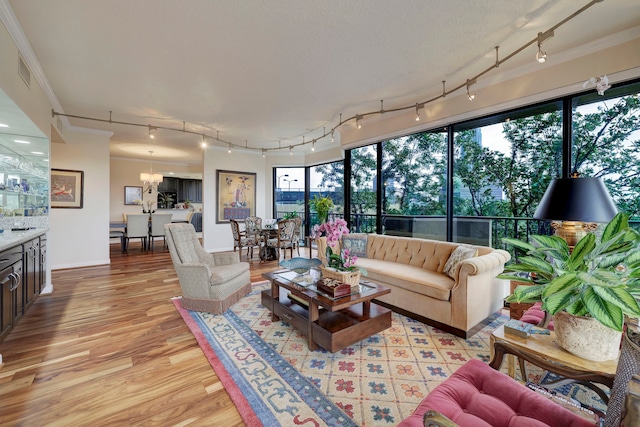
x=286 y=230
x=157 y=223
x=137 y=225
x=183 y=243
x=298 y=227
x=235 y=230
x=253 y=225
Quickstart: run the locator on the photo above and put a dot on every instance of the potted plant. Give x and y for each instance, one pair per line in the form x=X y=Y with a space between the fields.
x=322 y=206
x=166 y=200
x=340 y=265
x=595 y=284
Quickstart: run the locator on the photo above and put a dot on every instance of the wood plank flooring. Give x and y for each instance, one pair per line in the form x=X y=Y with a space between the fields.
x=109 y=348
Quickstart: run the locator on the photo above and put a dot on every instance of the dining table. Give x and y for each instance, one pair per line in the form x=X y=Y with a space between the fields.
x=268 y=253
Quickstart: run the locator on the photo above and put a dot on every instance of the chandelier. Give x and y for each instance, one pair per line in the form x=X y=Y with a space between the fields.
x=150 y=179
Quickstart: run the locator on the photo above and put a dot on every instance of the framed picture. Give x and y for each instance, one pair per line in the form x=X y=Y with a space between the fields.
x=67 y=188
x=132 y=195
x=236 y=195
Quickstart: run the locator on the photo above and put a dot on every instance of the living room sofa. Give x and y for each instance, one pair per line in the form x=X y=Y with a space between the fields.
x=414 y=270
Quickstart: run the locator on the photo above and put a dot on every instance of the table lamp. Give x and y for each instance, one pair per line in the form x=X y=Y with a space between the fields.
x=576 y=205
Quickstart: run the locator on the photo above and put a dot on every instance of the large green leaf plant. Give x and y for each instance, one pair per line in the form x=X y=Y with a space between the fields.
x=599 y=278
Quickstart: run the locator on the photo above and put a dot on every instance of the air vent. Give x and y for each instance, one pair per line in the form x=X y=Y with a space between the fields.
x=24 y=71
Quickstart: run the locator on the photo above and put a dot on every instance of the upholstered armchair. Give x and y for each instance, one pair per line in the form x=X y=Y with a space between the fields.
x=209 y=282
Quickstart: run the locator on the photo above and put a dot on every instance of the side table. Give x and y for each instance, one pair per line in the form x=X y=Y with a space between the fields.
x=544 y=351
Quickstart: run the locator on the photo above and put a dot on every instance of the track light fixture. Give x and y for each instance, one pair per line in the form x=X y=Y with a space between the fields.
x=417 y=113
x=152 y=132
x=333 y=138
x=358 y=121
x=264 y=153
x=469 y=95
x=541 y=56
x=313 y=145
x=229 y=149
x=291 y=150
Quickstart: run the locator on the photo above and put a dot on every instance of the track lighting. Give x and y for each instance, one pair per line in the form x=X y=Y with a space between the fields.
x=290 y=150
x=333 y=138
x=469 y=95
x=229 y=150
x=358 y=121
x=541 y=56
x=313 y=145
x=264 y=153
x=417 y=113
x=152 y=132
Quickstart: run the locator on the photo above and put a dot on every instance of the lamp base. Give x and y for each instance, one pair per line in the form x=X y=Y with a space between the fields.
x=573 y=231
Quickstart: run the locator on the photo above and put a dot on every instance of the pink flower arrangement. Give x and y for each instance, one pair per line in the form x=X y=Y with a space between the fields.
x=334 y=230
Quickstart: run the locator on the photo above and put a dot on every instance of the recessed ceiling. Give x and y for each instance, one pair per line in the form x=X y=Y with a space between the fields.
x=267 y=73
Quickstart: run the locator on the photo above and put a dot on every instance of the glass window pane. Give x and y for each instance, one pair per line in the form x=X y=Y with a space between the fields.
x=502 y=168
x=327 y=180
x=290 y=184
x=363 y=189
x=414 y=170
x=606 y=142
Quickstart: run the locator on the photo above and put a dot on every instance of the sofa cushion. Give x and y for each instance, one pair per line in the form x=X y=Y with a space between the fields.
x=356 y=243
x=478 y=396
x=419 y=280
x=458 y=255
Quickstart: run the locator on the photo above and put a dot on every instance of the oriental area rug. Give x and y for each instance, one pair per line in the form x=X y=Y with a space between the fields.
x=273 y=378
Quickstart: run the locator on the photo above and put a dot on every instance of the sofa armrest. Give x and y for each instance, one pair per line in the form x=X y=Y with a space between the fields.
x=226 y=258
x=478 y=265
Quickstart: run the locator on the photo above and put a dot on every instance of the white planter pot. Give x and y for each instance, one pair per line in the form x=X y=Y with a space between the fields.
x=586 y=337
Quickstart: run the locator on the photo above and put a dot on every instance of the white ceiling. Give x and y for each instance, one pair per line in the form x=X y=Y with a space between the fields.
x=260 y=72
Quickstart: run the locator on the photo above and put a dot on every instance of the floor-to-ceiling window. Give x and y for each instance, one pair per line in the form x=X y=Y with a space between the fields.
x=327 y=180
x=289 y=192
x=364 y=189
x=502 y=167
x=414 y=173
x=606 y=142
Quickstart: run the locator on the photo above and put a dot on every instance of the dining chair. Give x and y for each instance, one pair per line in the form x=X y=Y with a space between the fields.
x=253 y=227
x=157 y=227
x=241 y=240
x=137 y=227
x=297 y=232
x=285 y=238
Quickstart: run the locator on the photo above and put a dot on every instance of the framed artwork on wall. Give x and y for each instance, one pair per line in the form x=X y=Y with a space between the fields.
x=132 y=195
x=67 y=188
x=236 y=195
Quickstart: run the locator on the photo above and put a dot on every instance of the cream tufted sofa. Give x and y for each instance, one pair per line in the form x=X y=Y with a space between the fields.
x=414 y=271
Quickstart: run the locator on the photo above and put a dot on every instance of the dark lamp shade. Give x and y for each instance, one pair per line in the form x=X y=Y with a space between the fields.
x=576 y=199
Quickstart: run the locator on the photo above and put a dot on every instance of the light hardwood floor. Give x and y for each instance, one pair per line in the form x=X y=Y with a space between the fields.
x=109 y=348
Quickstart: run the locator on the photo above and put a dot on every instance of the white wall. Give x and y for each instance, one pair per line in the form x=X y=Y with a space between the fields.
x=217 y=237
x=80 y=237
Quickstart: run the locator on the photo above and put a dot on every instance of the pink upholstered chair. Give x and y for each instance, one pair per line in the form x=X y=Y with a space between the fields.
x=476 y=395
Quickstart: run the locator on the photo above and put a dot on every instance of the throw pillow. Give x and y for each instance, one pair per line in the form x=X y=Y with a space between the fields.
x=457 y=256
x=356 y=243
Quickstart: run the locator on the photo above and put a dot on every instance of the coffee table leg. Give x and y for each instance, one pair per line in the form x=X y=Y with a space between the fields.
x=314 y=314
x=275 y=295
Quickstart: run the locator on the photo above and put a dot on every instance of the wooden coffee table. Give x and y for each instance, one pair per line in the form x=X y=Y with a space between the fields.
x=330 y=323
x=544 y=351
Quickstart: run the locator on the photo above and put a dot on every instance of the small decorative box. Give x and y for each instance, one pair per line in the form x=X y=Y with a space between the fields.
x=333 y=287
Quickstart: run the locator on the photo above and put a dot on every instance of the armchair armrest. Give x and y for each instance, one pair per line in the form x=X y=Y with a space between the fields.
x=226 y=258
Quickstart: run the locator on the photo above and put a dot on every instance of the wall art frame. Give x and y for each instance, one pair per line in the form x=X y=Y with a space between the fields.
x=132 y=195
x=235 y=195
x=67 y=188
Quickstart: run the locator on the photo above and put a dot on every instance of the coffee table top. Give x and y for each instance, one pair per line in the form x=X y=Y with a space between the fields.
x=368 y=291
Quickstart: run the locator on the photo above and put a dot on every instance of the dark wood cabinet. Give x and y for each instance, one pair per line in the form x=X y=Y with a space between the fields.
x=31 y=268
x=168 y=185
x=190 y=189
x=22 y=276
x=11 y=302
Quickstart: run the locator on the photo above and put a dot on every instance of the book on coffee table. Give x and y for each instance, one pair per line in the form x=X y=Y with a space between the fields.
x=516 y=327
